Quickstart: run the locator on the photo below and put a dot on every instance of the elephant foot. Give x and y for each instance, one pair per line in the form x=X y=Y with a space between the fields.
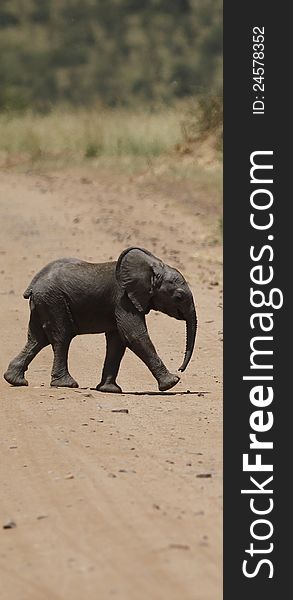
x=14 y=377
x=112 y=388
x=65 y=381
x=168 y=382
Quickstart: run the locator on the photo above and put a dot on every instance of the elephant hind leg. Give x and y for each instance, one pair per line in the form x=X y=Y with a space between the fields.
x=114 y=354
x=59 y=330
x=36 y=340
x=60 y=376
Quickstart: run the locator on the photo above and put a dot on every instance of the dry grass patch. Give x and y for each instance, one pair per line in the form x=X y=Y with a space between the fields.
x=77 y=135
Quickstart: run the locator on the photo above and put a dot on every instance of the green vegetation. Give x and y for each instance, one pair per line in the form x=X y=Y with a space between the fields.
x=82 y=134
x=93 y=80
x=113 y=53
x=72 y=136
x=203 y=118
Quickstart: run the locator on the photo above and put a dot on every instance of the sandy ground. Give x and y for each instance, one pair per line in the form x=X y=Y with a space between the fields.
x=110 y=504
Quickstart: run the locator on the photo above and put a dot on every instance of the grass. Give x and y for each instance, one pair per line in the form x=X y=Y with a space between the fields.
x=77 y=135
x=203 y=117
x=170 y=138
x=162 y=151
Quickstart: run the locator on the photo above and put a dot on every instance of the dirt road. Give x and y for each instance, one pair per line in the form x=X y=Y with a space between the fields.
x=110 y=504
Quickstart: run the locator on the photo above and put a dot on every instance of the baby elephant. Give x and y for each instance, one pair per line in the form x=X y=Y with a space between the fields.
x=69 y=297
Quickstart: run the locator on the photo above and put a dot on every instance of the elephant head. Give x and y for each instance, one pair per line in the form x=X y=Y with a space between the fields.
x=151 y=284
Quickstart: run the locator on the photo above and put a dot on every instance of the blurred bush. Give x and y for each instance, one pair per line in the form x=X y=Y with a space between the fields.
x=108 y=52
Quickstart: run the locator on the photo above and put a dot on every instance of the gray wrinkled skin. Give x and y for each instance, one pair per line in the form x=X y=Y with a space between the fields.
x=70 y=297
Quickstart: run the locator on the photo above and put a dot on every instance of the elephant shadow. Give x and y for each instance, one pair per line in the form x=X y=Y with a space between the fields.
x=168 y=393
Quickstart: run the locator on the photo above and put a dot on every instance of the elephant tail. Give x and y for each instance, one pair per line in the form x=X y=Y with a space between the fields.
x=27 y=293
x=46 y=271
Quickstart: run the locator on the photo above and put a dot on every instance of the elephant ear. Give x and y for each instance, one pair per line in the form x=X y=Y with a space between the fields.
x=139 y=273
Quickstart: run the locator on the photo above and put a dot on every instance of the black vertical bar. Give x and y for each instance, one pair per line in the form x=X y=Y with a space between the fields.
x=244 y=133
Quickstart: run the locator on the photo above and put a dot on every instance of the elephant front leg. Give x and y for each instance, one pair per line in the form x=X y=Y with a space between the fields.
x=133 y=329
x=146 y=351
x=114 y=353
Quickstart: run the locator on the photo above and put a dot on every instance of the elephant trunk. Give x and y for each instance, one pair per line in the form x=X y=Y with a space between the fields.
x=191 y=326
